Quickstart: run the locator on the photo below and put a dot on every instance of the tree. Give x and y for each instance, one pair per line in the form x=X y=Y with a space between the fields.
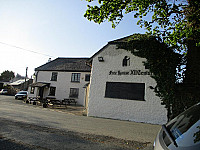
x=6 y=76
x=173 y=22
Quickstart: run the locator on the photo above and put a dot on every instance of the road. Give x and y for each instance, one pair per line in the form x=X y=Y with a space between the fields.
x=25 y=126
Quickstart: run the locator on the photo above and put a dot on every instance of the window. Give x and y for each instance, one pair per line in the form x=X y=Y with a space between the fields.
x=126 y=61
x=54 y=76
x=123 y=90
x=87 y=77
x=75 y=77
x=52 y=91
x=74 y=92
x=32 y=90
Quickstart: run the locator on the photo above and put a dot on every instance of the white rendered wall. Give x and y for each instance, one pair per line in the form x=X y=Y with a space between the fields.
x=63 y=84
x=149 y=111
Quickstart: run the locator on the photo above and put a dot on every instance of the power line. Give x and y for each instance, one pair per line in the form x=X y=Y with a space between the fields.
x=26 y=49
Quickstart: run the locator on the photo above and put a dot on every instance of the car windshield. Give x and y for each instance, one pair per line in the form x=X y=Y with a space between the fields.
x=185 y=129
x=22 y=93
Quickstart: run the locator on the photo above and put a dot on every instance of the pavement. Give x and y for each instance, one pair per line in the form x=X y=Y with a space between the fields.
x=72 y=119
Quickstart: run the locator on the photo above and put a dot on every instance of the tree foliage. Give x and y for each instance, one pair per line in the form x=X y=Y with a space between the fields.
x=6 y=76
x=173 y=22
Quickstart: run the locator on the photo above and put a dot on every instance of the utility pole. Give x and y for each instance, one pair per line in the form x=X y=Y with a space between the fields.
x=25 y=78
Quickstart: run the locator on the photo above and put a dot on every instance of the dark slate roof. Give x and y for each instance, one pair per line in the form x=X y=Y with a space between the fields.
x=66 y=64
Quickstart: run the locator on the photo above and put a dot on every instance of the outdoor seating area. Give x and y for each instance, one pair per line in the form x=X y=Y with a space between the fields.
x=69 y=101
x=67 y=105
x=51 y=102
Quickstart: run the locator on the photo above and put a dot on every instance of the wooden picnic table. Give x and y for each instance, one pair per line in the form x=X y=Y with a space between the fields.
x=69 y=101
x=54 y=102
x=33 y=100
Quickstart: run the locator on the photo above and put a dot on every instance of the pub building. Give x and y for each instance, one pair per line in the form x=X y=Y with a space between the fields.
x=120 y=87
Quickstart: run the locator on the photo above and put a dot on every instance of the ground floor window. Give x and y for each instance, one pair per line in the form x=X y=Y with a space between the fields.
x=124 y=90
x=74 y=92
x=52 y=91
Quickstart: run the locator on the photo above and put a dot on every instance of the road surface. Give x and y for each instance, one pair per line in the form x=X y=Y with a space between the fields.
x=25 y=126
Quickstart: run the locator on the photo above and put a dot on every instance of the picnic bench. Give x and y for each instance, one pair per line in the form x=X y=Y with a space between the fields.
x=69 y=101
x=51 y=101
x=54 y=102
x=46 y=101
x=33 y=100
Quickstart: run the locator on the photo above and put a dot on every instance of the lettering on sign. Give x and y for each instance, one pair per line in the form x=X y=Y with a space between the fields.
x=131 y=72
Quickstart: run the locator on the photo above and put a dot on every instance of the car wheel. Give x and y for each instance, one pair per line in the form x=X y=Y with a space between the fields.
x=15 y=97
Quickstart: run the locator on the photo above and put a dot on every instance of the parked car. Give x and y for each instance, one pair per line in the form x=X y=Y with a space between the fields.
x=181 y=133
x=21 y=95
x=4 y=91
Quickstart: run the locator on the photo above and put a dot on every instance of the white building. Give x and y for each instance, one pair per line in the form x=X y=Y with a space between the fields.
x=120 y=87
x=21 y=84
x=61 y=78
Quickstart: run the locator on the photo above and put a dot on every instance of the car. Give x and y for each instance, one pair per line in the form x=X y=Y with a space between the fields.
x=4 y=91
x=182 y=132
x=21 y=95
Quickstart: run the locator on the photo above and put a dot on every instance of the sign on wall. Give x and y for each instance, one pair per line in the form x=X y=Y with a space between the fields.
x=130 y=72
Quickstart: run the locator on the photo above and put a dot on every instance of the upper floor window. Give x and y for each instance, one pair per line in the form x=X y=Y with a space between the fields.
x=75 y=77
x=126 y=61
x=87 y=77
x=54 y=76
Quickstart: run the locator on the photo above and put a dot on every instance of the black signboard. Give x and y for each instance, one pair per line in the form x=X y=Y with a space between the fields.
x=124 y=90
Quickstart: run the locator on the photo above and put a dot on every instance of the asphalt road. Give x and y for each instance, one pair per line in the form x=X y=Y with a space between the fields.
x=24 y=126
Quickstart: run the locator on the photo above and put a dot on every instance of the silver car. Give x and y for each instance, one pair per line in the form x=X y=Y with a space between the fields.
x=21 y=95
x=181 y=133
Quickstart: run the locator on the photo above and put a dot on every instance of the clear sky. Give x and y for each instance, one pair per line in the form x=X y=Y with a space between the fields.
x=55 y=28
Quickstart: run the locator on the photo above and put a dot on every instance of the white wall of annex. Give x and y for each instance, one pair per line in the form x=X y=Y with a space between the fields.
x=149 y=111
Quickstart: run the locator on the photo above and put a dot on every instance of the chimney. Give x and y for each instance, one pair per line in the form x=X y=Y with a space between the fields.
x=49 y=60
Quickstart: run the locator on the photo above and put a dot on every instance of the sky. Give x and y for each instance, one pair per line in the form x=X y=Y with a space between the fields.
x=32 y=31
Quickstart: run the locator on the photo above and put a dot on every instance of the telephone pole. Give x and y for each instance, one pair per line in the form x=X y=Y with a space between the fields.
x=25 y=78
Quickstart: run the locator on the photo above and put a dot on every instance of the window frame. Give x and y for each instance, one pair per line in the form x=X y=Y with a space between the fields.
x=54 y=76
x=87 y=76
x=52 y=93
x=75 y=77
x=72 y=91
